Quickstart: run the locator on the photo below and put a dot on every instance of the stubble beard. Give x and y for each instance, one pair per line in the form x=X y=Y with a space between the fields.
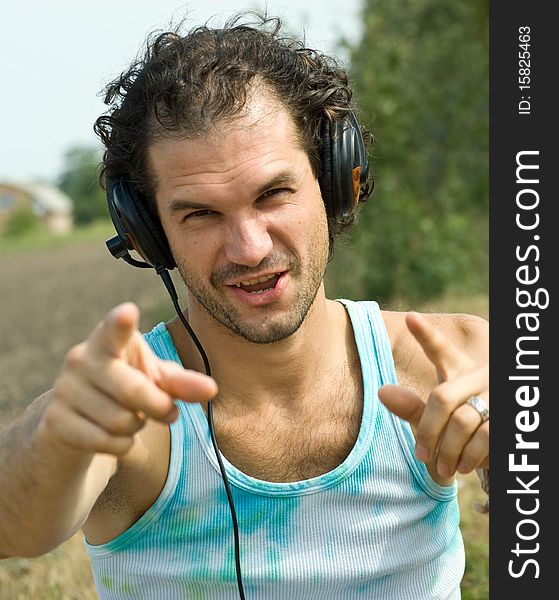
x=266 y=329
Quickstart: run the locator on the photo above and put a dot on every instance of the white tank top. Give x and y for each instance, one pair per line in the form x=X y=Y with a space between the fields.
x=375 y=527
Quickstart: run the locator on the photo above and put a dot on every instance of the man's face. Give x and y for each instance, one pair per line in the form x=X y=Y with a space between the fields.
x=245 y=220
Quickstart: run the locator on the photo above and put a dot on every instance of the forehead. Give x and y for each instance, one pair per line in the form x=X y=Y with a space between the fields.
x=264 y=135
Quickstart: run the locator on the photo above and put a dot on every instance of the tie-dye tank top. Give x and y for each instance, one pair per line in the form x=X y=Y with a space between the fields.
x=376 y=527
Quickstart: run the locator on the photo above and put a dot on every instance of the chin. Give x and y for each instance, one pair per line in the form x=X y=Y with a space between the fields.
x=257 y=334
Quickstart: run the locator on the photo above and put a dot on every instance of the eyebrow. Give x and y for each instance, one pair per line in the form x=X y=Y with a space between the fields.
x=280 y=179
x=178 y=205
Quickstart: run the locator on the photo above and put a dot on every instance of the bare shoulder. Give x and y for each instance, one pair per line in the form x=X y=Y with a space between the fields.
x=469 y=333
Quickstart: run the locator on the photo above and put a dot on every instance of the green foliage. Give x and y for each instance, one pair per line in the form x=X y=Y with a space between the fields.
x=421 y=76
x=21 y=222
x=79 y=180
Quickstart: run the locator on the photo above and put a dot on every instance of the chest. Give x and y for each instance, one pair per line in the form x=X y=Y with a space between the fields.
x=282 y=445
x=272 y=445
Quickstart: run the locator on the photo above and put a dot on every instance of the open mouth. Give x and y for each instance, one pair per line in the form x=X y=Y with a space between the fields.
x=259 y=285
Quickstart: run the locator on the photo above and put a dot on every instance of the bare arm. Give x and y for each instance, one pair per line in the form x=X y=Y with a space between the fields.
x=58 y=456
x=48 y=491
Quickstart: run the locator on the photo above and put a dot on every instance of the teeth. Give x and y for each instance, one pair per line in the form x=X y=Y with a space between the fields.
x=254 y=281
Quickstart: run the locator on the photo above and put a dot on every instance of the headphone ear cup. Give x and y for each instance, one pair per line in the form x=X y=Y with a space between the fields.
x=345 y=166
x=135 y=226
x=361 y=165
x=342 y=148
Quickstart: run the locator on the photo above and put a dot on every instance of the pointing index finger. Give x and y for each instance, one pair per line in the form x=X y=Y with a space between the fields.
x=438 y=348
x=113 y=333
x=184 y=384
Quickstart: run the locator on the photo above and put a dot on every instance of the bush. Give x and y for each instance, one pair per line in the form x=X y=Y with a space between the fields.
x=21 y=222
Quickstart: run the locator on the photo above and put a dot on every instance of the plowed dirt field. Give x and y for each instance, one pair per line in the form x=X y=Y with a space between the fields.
x=50 y=300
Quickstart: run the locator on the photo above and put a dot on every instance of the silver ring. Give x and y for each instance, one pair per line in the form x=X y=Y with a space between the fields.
x=478 y=404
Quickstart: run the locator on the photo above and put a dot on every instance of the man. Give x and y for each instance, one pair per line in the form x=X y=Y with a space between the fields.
x=219 y=133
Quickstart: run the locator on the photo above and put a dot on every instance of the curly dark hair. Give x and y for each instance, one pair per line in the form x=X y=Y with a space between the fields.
x=183 y=84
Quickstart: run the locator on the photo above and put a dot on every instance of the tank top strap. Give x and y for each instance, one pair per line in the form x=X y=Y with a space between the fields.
x=370 y=334
x=371 y=337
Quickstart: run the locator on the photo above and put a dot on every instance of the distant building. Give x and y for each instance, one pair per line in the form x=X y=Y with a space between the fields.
x=51 y=206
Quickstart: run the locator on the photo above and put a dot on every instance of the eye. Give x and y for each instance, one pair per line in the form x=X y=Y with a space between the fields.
x=197 y=214
x=274 y=193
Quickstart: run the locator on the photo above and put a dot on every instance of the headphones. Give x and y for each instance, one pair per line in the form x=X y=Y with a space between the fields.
x=343 y=182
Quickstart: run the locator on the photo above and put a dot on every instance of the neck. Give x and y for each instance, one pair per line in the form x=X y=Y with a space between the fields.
x=250 y=374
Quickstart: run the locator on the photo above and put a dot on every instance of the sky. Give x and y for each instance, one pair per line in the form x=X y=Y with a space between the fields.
x=57 y=55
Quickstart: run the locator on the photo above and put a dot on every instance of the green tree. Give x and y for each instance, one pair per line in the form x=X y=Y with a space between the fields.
x=421 y=76
x=79 y=179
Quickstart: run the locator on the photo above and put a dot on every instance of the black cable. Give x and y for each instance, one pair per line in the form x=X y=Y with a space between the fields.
x=164 y=274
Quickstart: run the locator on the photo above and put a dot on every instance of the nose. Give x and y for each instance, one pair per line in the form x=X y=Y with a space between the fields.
x=248 y=242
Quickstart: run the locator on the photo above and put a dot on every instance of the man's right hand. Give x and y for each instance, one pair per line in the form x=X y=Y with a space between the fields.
x=111 y=383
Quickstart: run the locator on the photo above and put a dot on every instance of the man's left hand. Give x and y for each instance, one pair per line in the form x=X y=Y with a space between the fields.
x=450 y=434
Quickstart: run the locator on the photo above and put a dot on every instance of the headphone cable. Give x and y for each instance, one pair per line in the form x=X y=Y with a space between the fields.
x=166 y=278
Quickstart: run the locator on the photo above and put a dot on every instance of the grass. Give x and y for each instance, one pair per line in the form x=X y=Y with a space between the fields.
x=475 y=531
x=41 y=239
x=63 y=574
